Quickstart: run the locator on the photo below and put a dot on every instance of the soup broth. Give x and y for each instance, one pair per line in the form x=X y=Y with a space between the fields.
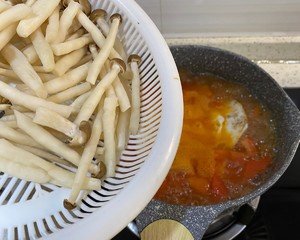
x=216 y=162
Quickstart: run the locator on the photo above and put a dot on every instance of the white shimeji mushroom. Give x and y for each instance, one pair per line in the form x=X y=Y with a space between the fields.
x=41 y=10
x=48 y=118
x=95 y=32
x=67 y=105
x=66 y=20
x=43 y=50
x=104 y=52
x=24 y=70
x=47 y=140
x=69 y=79
x=14 y=14
x=70 y=93
x=134 y=61
x=53 y=26
x=89 y=106
x=68 y=61
x=88 y=153
x=98 y=17
x=32 y=102
x=71 y=45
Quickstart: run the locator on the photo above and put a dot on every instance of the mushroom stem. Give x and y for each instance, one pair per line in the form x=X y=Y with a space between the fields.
x=4 y=6
x=79 y=101
x=94 y=52
x=13 y=14
x=15 y=136
x=89 y=106
x=96 y=34
x=32 y=102
x=9 y=73
x=66 y=179
x=48 y=118
x=76 y=34
x=122 y=95
x=109 y=115
x=46 y=139
x=70 y=93
x=7 y=34
x=71 y=45
x=28 y=173
x=43 y=50
x=53 y=26
x=87 y=156
x=30 y=2
x=41 y=9
x=68 y=61
x=45 y=155
x=66 y=20
x=134 y=61
x=122 y=130
x=24 y=70
x=69 y=79
x=30 y=53
x=104 y=52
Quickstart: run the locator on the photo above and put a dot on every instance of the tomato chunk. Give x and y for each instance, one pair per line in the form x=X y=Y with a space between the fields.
x=218 y=187
x=199 y=184
x=254 y=167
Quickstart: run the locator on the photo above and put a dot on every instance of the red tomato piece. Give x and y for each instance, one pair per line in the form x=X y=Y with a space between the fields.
x=254 y=167
x=218 y=187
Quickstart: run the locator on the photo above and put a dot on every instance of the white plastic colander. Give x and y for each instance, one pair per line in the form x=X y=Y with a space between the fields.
x=33 y=211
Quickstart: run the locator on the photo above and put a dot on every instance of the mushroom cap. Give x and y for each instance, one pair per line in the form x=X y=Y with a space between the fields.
x=119 y=62
x=65 y=3
x=97 y=13
x=134 y=58
x=86 y=6
x=68 y=205
x=116 y=15
x=4 y=100
x=102 y=171
x=85 y=127
x=82 y=136
x=15 y=2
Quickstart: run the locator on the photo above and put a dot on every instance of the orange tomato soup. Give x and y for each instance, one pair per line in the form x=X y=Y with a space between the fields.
x=209 y=166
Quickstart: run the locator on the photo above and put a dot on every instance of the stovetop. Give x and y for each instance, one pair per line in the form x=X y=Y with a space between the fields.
x=278 y=214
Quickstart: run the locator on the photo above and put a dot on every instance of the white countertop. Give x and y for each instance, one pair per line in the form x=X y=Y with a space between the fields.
x=279 y=56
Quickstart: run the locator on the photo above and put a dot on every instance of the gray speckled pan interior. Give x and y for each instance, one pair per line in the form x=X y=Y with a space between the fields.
x=201 y=59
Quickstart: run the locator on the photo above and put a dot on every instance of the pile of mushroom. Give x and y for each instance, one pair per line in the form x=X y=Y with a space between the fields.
x=70 y=94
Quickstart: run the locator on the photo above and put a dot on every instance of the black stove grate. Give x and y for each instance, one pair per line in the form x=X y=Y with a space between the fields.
x=255 y=230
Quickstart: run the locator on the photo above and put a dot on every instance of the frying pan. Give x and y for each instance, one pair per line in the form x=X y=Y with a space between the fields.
x=202 y=59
